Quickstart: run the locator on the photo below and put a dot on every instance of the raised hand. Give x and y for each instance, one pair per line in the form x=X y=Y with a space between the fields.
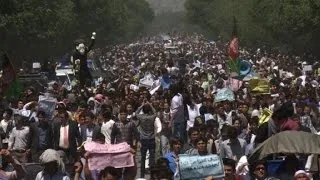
x=78 y=167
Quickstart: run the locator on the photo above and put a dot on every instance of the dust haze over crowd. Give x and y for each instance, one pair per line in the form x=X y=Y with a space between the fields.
x=169 y=16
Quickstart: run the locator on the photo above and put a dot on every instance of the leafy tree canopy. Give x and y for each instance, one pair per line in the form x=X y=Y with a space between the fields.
x=291 y=24
x=40 y=28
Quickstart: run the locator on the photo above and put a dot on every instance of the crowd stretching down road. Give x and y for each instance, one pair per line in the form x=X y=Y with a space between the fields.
x=163 y=108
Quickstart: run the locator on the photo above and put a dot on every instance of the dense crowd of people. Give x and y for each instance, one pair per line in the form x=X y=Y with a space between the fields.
x=159 y=97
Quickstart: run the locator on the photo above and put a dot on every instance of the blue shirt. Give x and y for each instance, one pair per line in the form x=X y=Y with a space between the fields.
x=172 y=161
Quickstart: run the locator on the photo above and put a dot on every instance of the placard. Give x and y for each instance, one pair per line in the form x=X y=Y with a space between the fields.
x=234 y=84
x=120 y=160
x=265 y=116
x=147 y=81
x=259 y=86
x=224 y=94
x=307 y=68
x=93 y=147
x=103 y=155
x=48 y=105
x=36 y=65
x=200 y=167
x=165 y=82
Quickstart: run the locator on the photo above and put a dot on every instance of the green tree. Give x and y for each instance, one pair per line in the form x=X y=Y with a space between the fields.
x=39 y=28
x=113 y=20
x=24 y=25
x=291 y=24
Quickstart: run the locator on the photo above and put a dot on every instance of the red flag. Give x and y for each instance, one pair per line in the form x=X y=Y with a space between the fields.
x=233 y=48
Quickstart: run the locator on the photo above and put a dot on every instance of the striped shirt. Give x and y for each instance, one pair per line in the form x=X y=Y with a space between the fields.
x=124 y=132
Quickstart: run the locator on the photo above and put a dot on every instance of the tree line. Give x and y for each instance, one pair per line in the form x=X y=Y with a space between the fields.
x=286 y=25
x=38 y=28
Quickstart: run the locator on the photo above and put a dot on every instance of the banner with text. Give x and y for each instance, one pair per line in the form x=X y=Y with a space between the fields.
x=103 y=155
x=224 y=94
x=200 y=167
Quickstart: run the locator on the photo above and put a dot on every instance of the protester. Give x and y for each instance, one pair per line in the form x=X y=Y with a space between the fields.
x=258 y=171
x=124 y=131
x=7 y=159
x=86 y=130
x=177 y=113
x=66 y=135
x=19 y=140
x=41 y=135
x=230 y=169
x=53 y=166
x=233 y=148
x=172 y=157
x=6 y=126
x=106 y=127
x=200 y=147
x=193 y=134
x=147 y=133
x=301 y=175
x=164 y=115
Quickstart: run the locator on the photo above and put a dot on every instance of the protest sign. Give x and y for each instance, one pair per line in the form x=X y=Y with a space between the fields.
x=234 y=84
x=48 y=105
x=307 y=68
x=259 y=86
x=103 y=155
x=93 y=147
x=251 y=75
x=200 y=167
x=265 y=116
x=154 y=90
x=120 y=160
x=165 y=82
x=147 y=81
x=224 y=94
x=36 y=65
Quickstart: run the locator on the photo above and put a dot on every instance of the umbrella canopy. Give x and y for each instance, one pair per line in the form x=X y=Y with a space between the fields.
x=288 y=142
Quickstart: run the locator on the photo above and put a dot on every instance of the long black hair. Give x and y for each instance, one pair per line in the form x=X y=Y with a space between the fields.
x=110 y=170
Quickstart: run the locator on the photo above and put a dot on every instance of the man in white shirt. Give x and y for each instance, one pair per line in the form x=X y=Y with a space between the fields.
x=19 y=140
x=6 y=126
x=177 y=113
x=107 y=125
x=172 y=70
